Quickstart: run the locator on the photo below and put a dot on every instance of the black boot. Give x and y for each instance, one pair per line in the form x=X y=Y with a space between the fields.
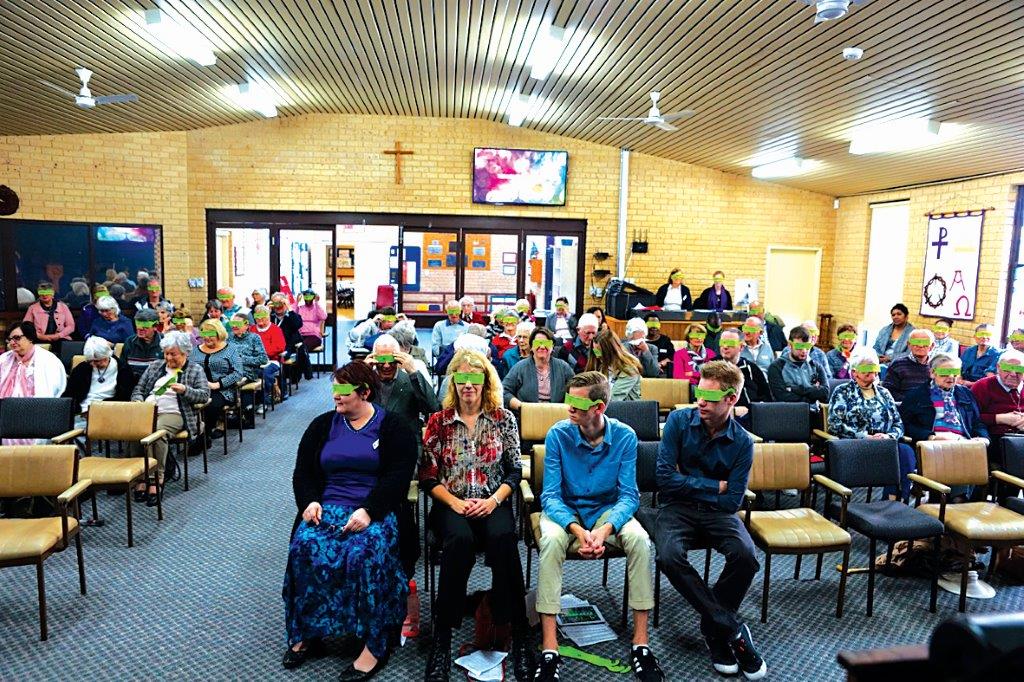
x=439 y=663
x=524 y=663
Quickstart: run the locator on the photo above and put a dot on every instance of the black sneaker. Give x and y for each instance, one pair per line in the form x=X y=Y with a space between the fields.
x=547 y=669
x=645 y=665
x=439 y=663
x=523 y=661
x=722 y=658
x=751 y=664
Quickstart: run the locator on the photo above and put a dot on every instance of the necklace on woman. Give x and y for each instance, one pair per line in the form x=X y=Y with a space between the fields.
x=103 y=375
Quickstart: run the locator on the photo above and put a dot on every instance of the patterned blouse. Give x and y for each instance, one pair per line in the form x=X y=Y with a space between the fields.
x=471 y=464
x=851 y=415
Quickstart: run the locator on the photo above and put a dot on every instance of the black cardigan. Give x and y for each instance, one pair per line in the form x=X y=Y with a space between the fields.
x=397 y=458
x=81 y=379
x=659 y=297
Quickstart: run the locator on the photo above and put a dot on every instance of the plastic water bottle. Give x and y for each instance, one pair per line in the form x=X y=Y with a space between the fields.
x=411 y=626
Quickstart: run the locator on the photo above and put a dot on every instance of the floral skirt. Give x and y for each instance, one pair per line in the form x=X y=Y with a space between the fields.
x=345 y=583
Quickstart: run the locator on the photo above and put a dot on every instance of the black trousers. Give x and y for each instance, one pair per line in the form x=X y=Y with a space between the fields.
x=212 y=413
x=408 y=540
x=680 y=527
x=460 y=538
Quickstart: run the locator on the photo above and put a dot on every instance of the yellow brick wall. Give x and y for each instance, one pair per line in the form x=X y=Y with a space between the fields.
x=849 y=271
x=695 y=218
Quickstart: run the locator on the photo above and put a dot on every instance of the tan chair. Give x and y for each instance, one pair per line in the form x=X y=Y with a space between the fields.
x=800 y=531
x=535 y=420
x=118 y=347
x=119 y=421
x=181 y=441
x=972 y=524
x=670 y=393
x=44 y=346
x=76 y=360
x=254 y=387
x=41 y=471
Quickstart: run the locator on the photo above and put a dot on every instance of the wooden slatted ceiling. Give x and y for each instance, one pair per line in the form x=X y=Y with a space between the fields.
x=761 y=76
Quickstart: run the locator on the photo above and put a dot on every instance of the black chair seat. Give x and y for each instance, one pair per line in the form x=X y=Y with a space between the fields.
x=891 y=520
x=1014 y=504
x=647 y=517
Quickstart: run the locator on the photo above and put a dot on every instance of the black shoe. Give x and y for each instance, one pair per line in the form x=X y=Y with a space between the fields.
x=723 y=660
x=216 y=434
x=751 y=664
x=523 y=661
x=139 y=495
x=547 y=669
x=439 y=663
x=645 y=665
x=293 y=659
x=350 y=674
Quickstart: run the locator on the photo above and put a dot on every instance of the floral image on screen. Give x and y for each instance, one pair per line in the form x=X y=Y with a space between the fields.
x=519 y=176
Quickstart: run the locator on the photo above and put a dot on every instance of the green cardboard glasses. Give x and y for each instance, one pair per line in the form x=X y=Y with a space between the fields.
x=947 y=371
x=208 y=333
x=581 y=403
x=751 y=329
x=344 y=389
x=712 y=395
x=698 y=335
x=385 y=358
x=1011 y=367
x=142 y=324
x=729 y=343
x=847 y=336
x=44 y=292
x=653 y=324
x=476 y=378
x=238 y=324
x=801 y=345
x=919 y=342
x=542 y=343
x=868 y=368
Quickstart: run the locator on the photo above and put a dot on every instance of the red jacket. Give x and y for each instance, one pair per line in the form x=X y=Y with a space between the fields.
x=273 y=340
x=993 y=399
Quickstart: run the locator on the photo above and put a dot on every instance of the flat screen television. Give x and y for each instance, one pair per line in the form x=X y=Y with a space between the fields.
x=519 y=176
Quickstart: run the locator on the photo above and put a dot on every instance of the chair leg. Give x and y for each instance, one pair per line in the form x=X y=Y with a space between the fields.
x=764 y=589
x=796 y=569
x=185 y=466
x=817 y=567
x=707 y=564
x=95 y=514
x=842 y=582
x=159 y=498
x=604 y=574
x=128 y=512
x=937 y=543
x=81 y=563
x=869 y=494
x=657 y=595
x=963 y=585
x=225 y=438
x=991 y=563
x=41 y=586
x=625 y=596
x=888 y=557
x=206 y=451
x=871 y=578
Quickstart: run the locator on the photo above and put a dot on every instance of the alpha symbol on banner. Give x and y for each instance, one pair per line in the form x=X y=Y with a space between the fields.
x=958 y=278
x=940 y=242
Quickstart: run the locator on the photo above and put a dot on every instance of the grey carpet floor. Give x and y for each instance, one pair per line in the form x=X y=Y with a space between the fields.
x=199 y=596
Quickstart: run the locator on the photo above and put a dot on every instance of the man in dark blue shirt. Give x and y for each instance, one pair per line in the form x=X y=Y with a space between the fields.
x=703 y=466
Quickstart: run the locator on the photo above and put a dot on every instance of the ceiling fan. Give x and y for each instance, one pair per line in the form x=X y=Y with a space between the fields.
x=828 y=10
x=84 y=98
x=654 y=116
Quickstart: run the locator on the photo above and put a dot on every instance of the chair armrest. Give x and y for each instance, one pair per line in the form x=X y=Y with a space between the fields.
x=907 y=439
x=929 y=483
x=680 y=406
x=414 y=492
x=1008 y=478
x=756 y=438
x=154 y=437
x=65 y=437
x=825 y=435
x=527 y=492
x=838 y=489
x=73 y=492
x=749 y=496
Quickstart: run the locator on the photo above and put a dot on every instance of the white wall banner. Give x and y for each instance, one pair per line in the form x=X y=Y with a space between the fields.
x=952 y=255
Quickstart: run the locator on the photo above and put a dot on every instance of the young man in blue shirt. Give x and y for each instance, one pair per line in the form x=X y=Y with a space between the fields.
x=703 y=467
x=588 y=502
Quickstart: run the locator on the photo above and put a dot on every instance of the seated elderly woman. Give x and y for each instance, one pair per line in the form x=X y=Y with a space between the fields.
x=942 y=409
x=698 y=352
x=539 y=378
x=520 y=350
x=164 y=312
x=28 y=371
x=615 y=362
x=274 y=344
x=250 y=350
x=89 y=312
x=100 y=377
x=864 y=409
x=344 y=577
x=839 y=357
x=508 y=320
x=979 y=361
x=111 y=324
x=404 y=332
x=181 y=320
x=637 y=345
x=177 y=387
x=222 y=367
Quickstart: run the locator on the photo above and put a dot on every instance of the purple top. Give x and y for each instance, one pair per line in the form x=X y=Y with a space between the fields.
x=350 y=460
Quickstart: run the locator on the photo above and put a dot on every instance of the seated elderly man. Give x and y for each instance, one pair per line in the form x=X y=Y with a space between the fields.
x=910 y=371
x=469 y=313
x=404 y=332
x=756 y=348
x=404 y=389
x=447 y=330
x=636 y=343
x=561 y=321
x=367 y=331
x=792 y=378
x=577 y=351
x=999 y=400
x=100 y=377
x=144 y=346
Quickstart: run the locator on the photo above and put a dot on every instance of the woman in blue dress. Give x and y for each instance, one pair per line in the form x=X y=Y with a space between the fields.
x=344 y=576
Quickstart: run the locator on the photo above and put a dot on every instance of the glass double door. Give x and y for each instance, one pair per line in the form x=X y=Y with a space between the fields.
x=272 y=259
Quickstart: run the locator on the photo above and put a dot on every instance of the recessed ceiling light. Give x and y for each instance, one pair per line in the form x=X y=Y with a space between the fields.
x=182 y=40
x=254 y=97
x=547 y=48
x=895 y=136
x=518 y=107
x=785 y=168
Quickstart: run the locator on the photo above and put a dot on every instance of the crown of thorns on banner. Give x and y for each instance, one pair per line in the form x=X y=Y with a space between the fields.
x=935 y=291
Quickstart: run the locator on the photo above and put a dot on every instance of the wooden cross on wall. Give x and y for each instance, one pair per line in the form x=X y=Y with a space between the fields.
x=398 y=153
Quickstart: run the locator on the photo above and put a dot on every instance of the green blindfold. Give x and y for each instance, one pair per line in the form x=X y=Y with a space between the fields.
x=983 y=335
x=154 y=287
x=847 y=336
x=919 y=342
x=712 y=395
x=308 y=297
x=1011 y=367
x=99 y=294
x=385 y=357
x=653 y=324
x=868 y=368
x=224 y=297
x=596 y=351
x=801 y=345
x=208 y=333
x=453 y=311
x=940 y=329
x=390 y=318
x=44 y=292
x=947 y=371
x=698 y=335
x=238 y=324
x=581 y=403
x=178 y=320
x=476 y=378
x=142 y=324
x=510 y=319
x=751 y=329
x=756 y=311
x=543 y=343
x=718 y=280
x=261 y=316
x=1017 y=337
x=729 y=343
x=344 y=389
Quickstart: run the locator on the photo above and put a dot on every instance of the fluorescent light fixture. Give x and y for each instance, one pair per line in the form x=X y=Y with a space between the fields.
x=183 y=40
x=547 y=48
x=784 y=168
x=895 y=136
x=518 y=108
x=254 y=97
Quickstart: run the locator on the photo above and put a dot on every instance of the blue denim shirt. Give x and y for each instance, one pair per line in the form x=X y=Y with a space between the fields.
x=690 y=464
x=582 y=482
x=975 y=368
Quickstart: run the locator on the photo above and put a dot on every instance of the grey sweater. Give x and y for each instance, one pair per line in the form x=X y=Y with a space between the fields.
x=521 y=381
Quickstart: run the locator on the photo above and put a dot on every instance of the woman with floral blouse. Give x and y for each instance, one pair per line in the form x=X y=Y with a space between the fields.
x=471 y=467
